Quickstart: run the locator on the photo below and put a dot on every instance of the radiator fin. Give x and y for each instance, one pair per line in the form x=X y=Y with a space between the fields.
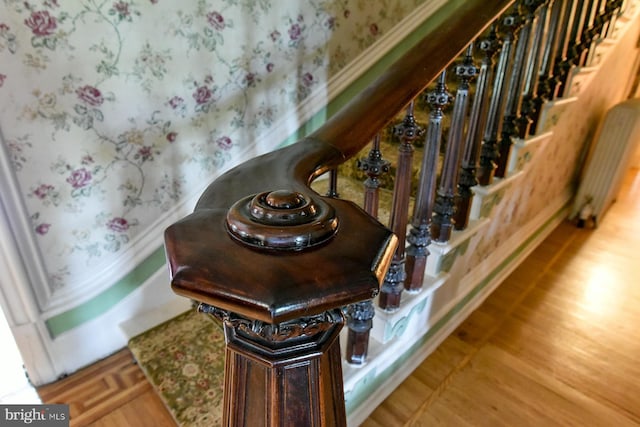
x=610 y=157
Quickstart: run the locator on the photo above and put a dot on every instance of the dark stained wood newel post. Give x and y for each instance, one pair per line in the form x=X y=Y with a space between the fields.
x=471 y=154
x=276 y=266
x=419 y=237
x=408 y=131
x=286 y=374
x=444 y=206
x=360 y=315
x=276 y=262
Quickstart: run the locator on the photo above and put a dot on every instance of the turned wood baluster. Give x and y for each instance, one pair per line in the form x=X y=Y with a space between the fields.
x=408 y=131
x=419 y=237
x=562 y=65
x=513 y=123
x=614 y=6
x=489 y=152
x=609 y=23
x=360 y=315
x=442 y=223
x=578 y=32
x=599 y=20
x=489 y=45
x=574 y=31
x=333 y=184
x=589 y=33
x=599 y=27
x=533 y=66
x=544 y=90
x=374 y=166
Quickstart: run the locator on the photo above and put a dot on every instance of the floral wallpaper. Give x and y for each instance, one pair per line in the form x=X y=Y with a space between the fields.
x=114 y=113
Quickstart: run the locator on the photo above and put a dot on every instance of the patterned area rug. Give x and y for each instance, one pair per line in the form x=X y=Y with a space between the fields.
x=183 y=359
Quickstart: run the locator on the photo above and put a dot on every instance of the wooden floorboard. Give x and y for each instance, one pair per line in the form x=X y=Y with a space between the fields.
x=111 y=393
x=556 y=344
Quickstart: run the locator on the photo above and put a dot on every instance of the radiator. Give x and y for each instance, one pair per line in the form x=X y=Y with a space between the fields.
x=610 y=157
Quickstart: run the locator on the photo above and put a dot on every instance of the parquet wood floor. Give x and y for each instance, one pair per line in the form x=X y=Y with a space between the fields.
x=557 y=344
x=110 y=393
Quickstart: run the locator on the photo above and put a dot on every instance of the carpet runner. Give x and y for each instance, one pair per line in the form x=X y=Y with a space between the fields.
x=183 y=360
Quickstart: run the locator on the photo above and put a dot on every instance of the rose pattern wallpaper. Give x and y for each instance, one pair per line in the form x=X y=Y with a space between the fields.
x=113 y=113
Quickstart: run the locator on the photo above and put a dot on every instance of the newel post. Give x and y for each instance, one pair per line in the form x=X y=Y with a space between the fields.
x=276 y=267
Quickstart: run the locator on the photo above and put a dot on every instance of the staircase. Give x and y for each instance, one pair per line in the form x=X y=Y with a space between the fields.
x=553 y=64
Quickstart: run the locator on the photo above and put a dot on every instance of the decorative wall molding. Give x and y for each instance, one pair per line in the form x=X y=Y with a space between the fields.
x=523 y=151
x=388 y=326
x=487 y=198
x=19 y=249
x=442 y=255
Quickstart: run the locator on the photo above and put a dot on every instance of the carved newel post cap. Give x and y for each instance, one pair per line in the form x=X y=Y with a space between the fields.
x=281 y=220
x=278 y=253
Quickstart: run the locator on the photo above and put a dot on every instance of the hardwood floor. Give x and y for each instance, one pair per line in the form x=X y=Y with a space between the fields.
x=556 y=344
x=111 y=393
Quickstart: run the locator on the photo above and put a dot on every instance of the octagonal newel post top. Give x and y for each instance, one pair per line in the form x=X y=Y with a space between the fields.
x=263 y=245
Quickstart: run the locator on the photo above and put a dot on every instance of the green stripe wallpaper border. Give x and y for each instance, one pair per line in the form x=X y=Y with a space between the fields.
x=107 y=299
x=357 y=397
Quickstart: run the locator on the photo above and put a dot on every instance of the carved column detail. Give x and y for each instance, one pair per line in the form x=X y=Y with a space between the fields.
x=360 y=315
x=374 y=166
x=442 y=223
x=489 y=45
x=489 y=152
x=408 y=131
x=419 y=237
x=360 y=321
x=289 y=371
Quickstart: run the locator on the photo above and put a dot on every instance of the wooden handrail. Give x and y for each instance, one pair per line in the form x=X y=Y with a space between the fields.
x=451 y=29
x=275 y=261
x=294 y=167
x=351 y=128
